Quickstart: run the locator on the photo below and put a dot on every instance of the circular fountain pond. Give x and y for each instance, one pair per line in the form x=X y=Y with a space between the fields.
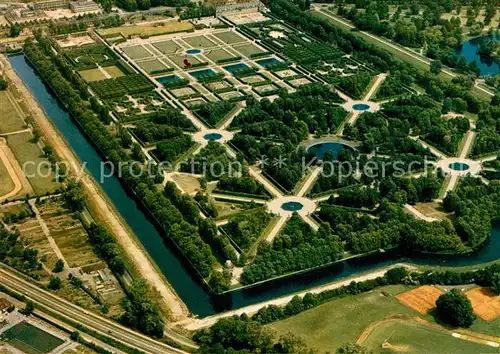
x=319 y=150
x=292 y=206
x=360 y=106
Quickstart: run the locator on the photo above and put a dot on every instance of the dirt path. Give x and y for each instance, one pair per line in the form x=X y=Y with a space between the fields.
x=99 y=203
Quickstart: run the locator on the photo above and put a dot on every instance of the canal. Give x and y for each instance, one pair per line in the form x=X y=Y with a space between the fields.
x=175 y=269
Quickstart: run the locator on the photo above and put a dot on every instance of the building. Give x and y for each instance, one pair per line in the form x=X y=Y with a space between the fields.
x=50 y=5
x=232 y=4
x=84 y=6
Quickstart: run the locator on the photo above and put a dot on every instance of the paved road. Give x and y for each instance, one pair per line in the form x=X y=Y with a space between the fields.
x=415 y=56
x=90 y=320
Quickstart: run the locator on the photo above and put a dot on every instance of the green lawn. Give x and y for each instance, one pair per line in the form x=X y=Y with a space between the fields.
x=10 y=119
x=6 y=183
x=114 y=71
x=166 y=47
x=410 y=336
x=328 y=326
x=34 y=164
x=91 y=75
x=199 y=42
x=218 y=54
x=152 y=66
x=248 y=49
x=136 y=52
x=31 y=339
x=229 y=37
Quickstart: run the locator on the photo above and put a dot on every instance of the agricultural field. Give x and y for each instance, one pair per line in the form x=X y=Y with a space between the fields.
x=68 y=233
x=10 y=113
x=145 y=31
x=30 y=339
x=37 y=168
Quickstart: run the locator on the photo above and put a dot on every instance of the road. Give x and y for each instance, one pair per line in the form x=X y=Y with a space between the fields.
x=90 y=320
x=400 y=49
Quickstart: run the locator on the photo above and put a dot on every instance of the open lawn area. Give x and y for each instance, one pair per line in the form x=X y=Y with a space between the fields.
x=219 y=54
x=91 y=75
x=153 y=66
x=199 y=42
x=114 y=71
x=229 y=37
x=328 y=326
x=10 y=115
x=166 y=47
x=37 y=167
x=6 y=183
x=136 y=52
x=31 y=339
x=179 y=60
x=148 y=31
x=248 y=49
x=414 y=337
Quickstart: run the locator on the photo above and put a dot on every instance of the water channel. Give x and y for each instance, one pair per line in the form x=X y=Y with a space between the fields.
x=175 y=269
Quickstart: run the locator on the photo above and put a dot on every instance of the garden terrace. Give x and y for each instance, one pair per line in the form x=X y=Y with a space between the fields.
x=90 y=56
x=129 y=84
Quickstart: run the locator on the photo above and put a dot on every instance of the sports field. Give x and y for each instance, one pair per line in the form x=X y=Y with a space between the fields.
x=36 y=167
x=413 y=337
x=485 y=304
x=199 y=42
x=91 y=75
x=136 y=52
x=147 y=31
x=166 y=47
x=422 y=299
x=229 y=37
x=30 y=339
x=152 y=66
x=328 y=326
x=11 y=120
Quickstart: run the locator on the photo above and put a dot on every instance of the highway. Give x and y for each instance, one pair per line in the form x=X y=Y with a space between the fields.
x=90 y=320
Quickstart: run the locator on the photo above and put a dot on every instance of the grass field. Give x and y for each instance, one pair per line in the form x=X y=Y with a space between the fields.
x=11 y=120
x=229 y=37
x=6 y=183
x=90 y=75
x=199 y=42
x=179 y=60
x=218 y=54
x=328 y=326
x=410 y=336
x=248 y=49
x=114 y=71
x=31 y=339
x=79 y=350
x=153 y=65
x=166 y=47
x=36 y=167
x=147 y=31
x=136 y=52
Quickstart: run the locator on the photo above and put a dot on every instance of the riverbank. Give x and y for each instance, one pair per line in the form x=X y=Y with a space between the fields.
x=196 y=324
x=98 y=203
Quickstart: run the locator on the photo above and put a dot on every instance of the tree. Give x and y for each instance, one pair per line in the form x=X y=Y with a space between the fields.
x=436 y=67
x=3 y=84
x=54 y=283
x=75 y=336
x=495 y=286
x=30 y=307
x=352 y=348
x=455 y=309
x=59 y=267
x=15 y=30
